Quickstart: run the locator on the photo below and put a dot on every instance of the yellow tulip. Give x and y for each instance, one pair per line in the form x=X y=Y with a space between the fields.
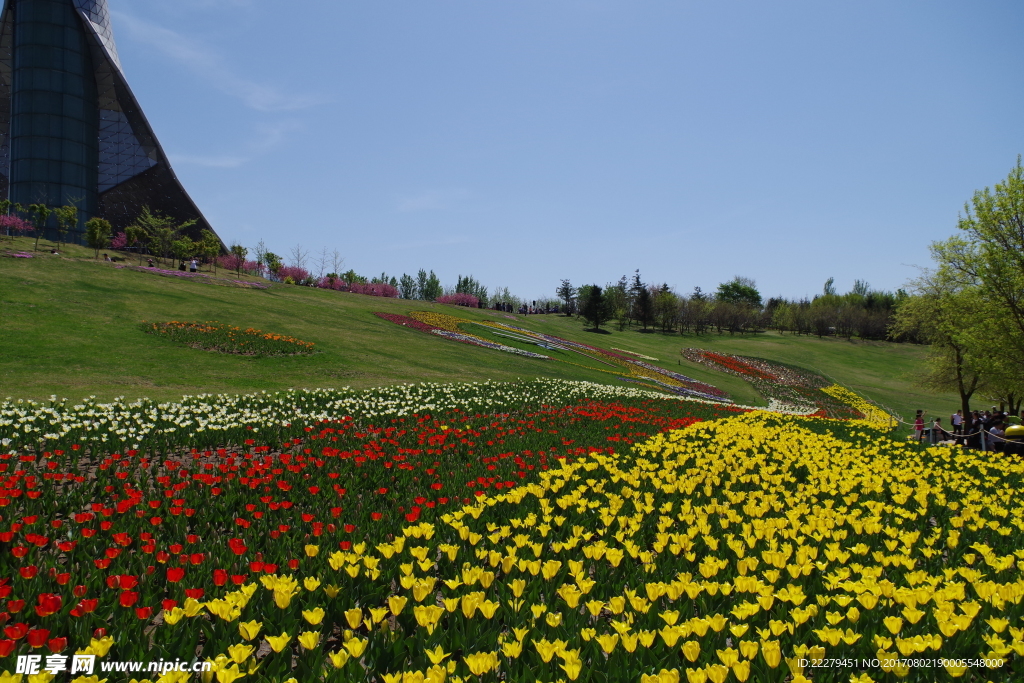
x=571 y=663
x=691 y=650
x=171 y=618
x=249 y=629
x=512 y=649
x=353 y=616
x=356 y=647
x=338 y=659
x=696 y=676
x=314 y=616
x=480 y=663
x=240 y=653
x=278 y=643
x=312 y=550
x=227 y=675
x=311 y=583
x=309 y=640
x=397 y=604
x=894 y=624
x=608 y=642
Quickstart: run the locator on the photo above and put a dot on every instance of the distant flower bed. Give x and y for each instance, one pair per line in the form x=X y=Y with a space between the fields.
x=446 y=326
x=783 y=385
x=459 y=299
x=367 y=288
x=214 y=336
x=18 y=254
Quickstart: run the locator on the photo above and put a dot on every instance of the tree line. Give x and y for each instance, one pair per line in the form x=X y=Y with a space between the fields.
x=736 y=307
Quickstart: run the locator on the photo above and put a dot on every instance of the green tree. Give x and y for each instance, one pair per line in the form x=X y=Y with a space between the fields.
x=161 y=230
x=989 y=253
x=40 y=213
x=595 y=309
x=97 y=233
x=567 y=293
x=210 y=247
x=239 y=252
x=184 y=248
x=944 y=313
x=739 y=290
x=67 y=218
x=135 y=237
x=407 y=287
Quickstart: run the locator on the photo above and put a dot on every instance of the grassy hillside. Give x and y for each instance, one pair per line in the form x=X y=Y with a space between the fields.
x=70 y=326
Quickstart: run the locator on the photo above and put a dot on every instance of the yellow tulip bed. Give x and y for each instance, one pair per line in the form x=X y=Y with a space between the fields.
x=758 y=547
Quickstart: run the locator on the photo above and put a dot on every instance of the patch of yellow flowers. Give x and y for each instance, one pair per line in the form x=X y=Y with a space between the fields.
x=740 y=549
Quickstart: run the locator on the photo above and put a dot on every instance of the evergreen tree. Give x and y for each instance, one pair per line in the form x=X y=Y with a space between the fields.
x=595 y=310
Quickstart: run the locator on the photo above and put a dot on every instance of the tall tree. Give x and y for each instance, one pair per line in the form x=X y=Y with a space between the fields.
x=67 y=218
x=595 y=309
x=407 y=287
x=989 y=253
x=239 y=252
x=40 y=213
x=943 y=313
x=567 y=293
x=739 y=290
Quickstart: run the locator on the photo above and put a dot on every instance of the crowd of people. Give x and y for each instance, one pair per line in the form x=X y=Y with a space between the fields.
x=986 y=430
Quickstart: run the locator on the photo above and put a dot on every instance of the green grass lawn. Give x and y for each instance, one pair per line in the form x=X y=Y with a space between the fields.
x=70 y=326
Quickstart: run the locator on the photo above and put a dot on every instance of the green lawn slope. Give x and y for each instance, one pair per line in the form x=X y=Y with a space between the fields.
x=70 y=326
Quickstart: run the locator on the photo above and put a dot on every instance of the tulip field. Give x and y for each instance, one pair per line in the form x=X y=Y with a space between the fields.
x=535 y=531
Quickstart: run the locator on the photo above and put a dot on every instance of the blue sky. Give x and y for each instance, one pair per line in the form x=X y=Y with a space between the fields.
x=528 y=141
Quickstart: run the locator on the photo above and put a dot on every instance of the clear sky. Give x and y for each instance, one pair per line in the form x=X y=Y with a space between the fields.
x=526 y=141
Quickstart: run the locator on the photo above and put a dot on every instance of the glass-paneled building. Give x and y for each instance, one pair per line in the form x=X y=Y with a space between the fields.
x=71 y=131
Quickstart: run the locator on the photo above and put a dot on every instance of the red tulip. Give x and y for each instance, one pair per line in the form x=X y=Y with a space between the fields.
x=375 y=516
x=195 y=593
x=16 y=631
x=349 y=528
x=7 y=646
x=62 y=579
x=19 y=551
x=49 y=603
x=37 y=637
x=163 y=556
x=79 y=591
x=239 y=579
x=99 y=633
x=28 y=572
x=175 y=574
x=128 y=598
x=220 y=577
x=5 y=590
x=293 y=564
x=168 y=604
x=196 y=558
x=237 y=546
x=345 y=545
x=14 y=606
x=143 y=612
x=57 y=644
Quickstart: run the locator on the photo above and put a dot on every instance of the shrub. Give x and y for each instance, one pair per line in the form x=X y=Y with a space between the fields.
x=459 y=299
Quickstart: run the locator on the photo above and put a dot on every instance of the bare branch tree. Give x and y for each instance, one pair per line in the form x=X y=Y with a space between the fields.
x=299 y=256
x=337 y=262
x=321 y=262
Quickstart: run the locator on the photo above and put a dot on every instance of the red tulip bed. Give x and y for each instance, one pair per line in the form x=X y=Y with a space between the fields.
x=116 y=517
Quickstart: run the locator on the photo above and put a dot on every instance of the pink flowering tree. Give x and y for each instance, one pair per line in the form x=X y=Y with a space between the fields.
x=459 y=299
x=13 y=225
